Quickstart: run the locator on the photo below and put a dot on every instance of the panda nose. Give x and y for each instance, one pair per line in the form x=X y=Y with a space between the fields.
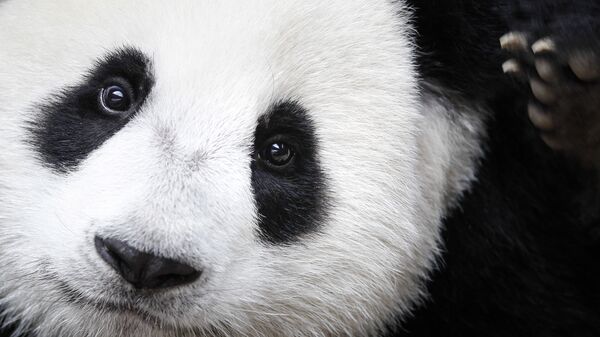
x=144 y=270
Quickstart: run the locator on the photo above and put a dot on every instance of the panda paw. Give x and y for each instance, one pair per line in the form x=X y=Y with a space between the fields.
x=564 y=82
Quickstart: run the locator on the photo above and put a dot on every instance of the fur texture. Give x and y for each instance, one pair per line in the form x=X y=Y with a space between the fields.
x=439 y=209
x=176 y=179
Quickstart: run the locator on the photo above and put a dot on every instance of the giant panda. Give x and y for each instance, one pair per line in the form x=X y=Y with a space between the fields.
x=299 y=168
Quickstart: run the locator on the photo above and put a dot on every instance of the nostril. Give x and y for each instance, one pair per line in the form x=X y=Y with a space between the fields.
x=126 y=260
x=164 y=273
x=108 y=253
x=144 y=270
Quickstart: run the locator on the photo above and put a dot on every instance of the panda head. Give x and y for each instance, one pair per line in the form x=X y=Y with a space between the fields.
x=195 y=168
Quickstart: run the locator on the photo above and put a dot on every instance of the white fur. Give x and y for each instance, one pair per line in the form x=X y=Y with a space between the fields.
x=176 y=180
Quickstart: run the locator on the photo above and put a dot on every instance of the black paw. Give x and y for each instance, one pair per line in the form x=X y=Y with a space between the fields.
x=564 y=80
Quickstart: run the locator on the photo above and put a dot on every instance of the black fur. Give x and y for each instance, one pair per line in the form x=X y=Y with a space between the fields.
x=519 y=258
x=10 y=330
x=292 y=201
x=458 y=43
x=521 y=252
x=71 y=126
x=7 y=332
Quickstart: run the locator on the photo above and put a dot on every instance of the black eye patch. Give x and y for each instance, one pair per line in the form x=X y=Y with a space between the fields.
x=291 y=198
x=74 y=122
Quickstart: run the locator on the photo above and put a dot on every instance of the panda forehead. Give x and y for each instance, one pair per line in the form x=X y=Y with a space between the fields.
x=207 y=41
x=219 y=57
x=227 y=61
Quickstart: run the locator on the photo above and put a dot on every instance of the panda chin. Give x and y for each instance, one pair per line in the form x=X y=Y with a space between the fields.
x=130 y=307
x=135 y=313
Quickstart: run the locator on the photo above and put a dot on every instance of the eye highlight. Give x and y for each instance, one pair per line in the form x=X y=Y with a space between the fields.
x=277 y=154
x=116 y=98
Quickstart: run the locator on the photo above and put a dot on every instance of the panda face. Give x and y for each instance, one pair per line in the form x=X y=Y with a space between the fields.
x=201 y=168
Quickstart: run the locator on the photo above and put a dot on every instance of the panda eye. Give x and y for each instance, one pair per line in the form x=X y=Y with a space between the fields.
x=277 y=154
x=116 y=98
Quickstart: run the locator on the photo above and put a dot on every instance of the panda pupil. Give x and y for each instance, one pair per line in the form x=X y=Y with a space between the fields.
x=115 y=98
x=279 y=154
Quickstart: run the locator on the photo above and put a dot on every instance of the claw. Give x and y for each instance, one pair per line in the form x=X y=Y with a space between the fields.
x=542 y=92
x=585 y=66
x=553 y=142
x=547 y=70
x=514 y=41
x=545 y=45
x=512 y=67
x=539 y=118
